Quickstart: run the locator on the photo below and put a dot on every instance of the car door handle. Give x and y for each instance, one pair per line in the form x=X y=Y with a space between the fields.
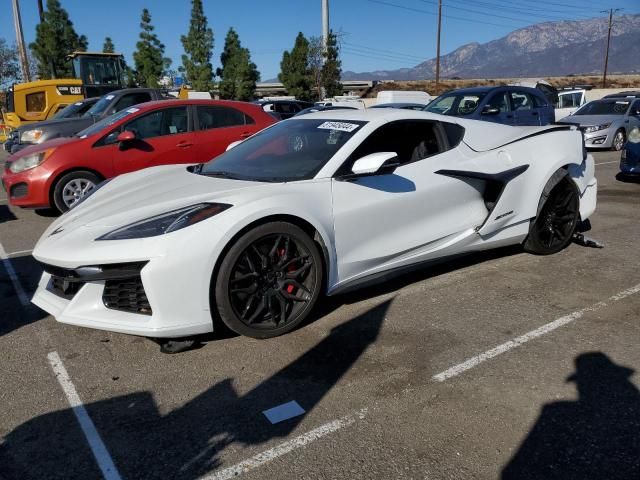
x=245 y=134
x=184 y=144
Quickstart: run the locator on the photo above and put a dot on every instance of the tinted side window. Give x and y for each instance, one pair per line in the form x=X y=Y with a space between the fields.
x=131 y=99
x=169 y=121
x=218 y=117
x=499 y=101
x=411 y=140
x=35 y=102
x=521 y=101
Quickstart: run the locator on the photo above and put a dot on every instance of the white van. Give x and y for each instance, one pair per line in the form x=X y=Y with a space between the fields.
x=402 y=96
x=569 y=101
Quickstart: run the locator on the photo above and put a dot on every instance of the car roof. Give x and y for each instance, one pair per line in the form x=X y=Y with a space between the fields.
x=472 y=90
x=193 y=101
x=398 y=105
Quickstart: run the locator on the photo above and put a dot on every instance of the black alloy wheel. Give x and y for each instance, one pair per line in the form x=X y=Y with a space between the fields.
x=555 y=224
x=269 y=281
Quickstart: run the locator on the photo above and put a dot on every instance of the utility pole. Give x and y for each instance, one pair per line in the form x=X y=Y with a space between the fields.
x=438 y=43
x=606 y=55
x=325 y=39
x=17 y=22
x=40 y=11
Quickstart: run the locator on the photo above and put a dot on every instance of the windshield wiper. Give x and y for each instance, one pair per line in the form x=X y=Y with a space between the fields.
x=220 y=173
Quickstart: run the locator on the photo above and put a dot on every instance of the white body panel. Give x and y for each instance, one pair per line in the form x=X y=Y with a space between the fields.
x=369 y=225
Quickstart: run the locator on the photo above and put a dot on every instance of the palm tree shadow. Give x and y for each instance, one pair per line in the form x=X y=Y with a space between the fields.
x=595 y=437
x=186 y=443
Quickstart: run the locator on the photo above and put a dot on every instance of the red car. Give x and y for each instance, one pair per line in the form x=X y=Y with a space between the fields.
x=59 y=172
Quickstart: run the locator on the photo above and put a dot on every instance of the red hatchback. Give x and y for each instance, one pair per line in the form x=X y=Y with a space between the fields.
x=59 y=172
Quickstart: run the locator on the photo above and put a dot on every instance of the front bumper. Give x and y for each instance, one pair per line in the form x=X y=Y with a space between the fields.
x=630 y=161
x=28 y=188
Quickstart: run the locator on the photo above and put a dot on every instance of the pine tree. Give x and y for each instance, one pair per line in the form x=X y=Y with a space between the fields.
x=315 y=63
x=55 y=39
x=238 y=75
x=198 y=46
x=294 y=70
x=148 y=58
x=108 y=46
x=332 y=68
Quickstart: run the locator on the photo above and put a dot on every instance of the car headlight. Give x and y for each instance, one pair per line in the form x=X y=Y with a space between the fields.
x=31 y=136
x=595 y=128
x=634 y=135
x=166 y=222
x=29 y=161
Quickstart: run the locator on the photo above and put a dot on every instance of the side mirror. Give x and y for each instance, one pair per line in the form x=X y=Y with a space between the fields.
x=126 y=136
x=487 y=110
x=233 y=144
x=376 y=163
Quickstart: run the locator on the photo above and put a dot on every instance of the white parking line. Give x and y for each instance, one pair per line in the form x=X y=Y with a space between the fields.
x=22 y=296
x=100 y=452
x=516 y=342
x=284 y=448
x=604 y=163
x=19 y=252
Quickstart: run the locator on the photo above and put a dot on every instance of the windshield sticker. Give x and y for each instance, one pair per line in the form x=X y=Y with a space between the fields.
x=78 y=103
x=622 y=103
x=109 y=97
x=132 y=110
x=342 y=126
x=334 y=136
x=173 y=129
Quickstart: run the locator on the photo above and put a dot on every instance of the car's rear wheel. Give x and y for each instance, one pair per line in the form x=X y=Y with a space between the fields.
x=72 y=187
x=269 y=280
x=558 y=215
x=618 y=141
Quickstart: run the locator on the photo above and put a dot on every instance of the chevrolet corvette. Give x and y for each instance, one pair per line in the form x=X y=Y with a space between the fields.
x=314 y=205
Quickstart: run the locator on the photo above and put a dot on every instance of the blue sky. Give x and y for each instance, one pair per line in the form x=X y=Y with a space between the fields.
x=377 y=34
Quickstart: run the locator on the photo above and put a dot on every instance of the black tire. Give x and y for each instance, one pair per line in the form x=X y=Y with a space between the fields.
x=276 y=272
x=86 y=181
x=617 y=144
x=558 y=214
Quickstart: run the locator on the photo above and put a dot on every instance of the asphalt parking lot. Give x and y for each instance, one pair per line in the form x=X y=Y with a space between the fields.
x=498 y=365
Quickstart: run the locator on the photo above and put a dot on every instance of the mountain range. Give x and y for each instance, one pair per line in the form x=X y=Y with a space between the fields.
x=544 y=49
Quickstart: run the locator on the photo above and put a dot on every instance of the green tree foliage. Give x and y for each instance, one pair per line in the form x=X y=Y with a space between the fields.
x=55 y=39
x=238 y=75
x=198 y=46
x=332 y=68
x=294 y=70
x=148 y=58
x=9 y=64
x=315 y=63
x=108 y=46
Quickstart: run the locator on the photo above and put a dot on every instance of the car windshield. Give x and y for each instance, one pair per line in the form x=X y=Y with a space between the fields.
x=456 y=104
x=288 y=151
x=99 y=107
x=106 y=122
x=605 y=107
x=69 y=111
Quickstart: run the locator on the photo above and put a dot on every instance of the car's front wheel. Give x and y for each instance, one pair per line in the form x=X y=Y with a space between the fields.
x=557 y=218
x=72 y=187
x=269 y=280
x=618 y=141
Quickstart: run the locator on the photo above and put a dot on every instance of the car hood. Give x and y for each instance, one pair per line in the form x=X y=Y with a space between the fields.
x=588 y=120
x=152 y=191
x=39 y=147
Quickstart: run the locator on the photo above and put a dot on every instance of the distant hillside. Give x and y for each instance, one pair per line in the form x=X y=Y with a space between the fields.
x=544 y=49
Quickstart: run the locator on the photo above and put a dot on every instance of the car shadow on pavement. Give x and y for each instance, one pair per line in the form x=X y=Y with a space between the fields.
x=6 y=215
x=621 y=177
x=13 y=314
x=594 y=437
x=187 y=442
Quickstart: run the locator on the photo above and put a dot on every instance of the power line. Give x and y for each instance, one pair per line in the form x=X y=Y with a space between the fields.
x=379 y=55
x=489 y=14
x=509 y=7
x=417 y=10
x=392 y=52
x=375 y=57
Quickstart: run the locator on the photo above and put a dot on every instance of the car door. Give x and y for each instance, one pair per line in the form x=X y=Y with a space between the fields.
x=524 y=109
x=498 y=100
x=216 y=127
x=406 y=215
x=163 y=137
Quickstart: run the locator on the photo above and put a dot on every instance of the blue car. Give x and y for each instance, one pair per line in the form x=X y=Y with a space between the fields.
x=630 y=160
x=509 y=105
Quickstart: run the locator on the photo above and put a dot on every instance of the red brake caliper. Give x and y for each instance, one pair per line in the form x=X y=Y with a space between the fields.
x=291 y=268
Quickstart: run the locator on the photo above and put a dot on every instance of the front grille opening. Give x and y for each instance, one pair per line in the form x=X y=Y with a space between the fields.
x=19 y=190
x=63 y=287
x=126 y=295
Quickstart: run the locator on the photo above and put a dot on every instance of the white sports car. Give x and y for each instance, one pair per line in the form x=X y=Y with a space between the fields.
x=316 y=204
